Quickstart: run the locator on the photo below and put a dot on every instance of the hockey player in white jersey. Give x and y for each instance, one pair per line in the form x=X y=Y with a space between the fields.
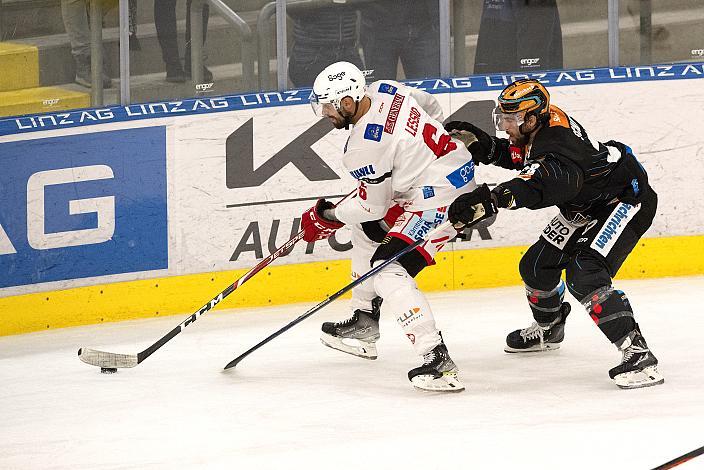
x=408 y=171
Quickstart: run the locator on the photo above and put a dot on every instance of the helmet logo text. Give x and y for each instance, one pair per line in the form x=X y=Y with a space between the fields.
x=337 y=76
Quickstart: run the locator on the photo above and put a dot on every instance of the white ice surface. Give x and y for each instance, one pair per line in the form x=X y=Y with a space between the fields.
x=297 y=404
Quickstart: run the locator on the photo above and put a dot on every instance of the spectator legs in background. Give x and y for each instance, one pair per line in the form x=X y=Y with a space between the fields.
x=381 y=55
x=423 y=59
x=165 y=22
x=134 y=42
x=207 y=74
x=75 y=18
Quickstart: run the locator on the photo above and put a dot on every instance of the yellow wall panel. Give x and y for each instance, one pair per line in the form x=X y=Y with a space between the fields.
x=311 y=282
x=20 y=66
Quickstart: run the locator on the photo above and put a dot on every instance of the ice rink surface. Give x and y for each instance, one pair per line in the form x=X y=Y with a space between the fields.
x=297 y=404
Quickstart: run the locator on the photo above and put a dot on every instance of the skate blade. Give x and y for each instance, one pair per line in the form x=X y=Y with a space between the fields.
x=448 y=382
x=359 y=348
x=536 y=348
x=639 y=379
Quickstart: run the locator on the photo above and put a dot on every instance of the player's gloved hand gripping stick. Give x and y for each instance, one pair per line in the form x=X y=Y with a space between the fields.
x=110 y=362
x=348 y=287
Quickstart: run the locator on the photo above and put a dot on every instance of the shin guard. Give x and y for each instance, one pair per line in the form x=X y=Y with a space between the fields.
x=612 y=313
x=409 y=306
x=545 y=304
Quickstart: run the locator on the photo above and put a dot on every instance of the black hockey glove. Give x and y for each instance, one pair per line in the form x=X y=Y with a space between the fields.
x=473 y=207
x=479 y=143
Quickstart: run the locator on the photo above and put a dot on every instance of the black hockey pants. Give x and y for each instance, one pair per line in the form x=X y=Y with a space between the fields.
x=590 y=256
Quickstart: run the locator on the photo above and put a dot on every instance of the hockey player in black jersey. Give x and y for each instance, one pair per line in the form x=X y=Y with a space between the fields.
x=605 y=205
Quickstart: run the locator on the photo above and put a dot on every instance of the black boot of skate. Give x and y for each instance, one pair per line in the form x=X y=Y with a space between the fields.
x=438 y=372
x=357 y=335
x=639 y=367
x=539 y=337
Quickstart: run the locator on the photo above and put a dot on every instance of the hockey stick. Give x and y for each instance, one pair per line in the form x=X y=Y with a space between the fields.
x=337 y=294
x=681 y=459
x=108 y=360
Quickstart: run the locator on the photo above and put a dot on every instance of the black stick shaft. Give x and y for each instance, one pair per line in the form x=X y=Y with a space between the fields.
x=681 y=459
x=281 y=251
x=228 y=290
x=337 y=294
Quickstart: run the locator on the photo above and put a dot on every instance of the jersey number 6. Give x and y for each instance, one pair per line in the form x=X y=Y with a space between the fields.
x=443 y=146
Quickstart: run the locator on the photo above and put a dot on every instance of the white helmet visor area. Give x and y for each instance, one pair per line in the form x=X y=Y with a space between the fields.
x=320 y=105
x=504 y=121
x=322 y=109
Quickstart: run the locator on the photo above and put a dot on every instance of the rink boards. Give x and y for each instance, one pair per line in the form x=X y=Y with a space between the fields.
x=144 y=210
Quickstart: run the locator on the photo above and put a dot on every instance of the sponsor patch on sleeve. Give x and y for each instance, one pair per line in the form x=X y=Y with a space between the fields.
x=392 y=117
x=428 y=192
x=462 y=175
x=373 y=132
x=387 y=88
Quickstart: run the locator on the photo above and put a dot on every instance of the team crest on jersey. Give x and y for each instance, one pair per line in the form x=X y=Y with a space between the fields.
x=373 y=132
x=387 y=88
x=360 y=173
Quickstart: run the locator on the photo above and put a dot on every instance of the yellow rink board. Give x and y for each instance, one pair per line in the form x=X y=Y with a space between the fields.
x=41 y=100
x=19 y=66
x=464 y=269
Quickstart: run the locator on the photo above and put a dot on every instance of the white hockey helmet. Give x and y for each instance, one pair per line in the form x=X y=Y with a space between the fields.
x=335 y=82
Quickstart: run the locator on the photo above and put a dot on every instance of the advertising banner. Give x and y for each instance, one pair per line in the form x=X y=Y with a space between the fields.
x=80 y=206
x=217 y=184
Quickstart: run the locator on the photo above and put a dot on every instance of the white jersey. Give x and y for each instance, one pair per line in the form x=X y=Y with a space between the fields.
x=401 y=154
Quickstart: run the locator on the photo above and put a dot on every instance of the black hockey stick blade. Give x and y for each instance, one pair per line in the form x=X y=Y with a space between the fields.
x=338 y=294
x=681 y=459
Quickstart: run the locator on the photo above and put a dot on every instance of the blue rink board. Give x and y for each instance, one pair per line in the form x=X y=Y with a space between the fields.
x=136 y=190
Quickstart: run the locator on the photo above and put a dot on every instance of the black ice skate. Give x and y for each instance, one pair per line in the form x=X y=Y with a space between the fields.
x=357 y=335
x=539 y=337
x=438 y=372
x=639 y=367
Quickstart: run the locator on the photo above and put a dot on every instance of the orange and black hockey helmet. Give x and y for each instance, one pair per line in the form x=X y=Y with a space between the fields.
x=525 y=95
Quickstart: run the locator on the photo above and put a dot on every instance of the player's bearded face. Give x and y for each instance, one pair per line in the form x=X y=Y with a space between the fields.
x=337 y=119
x=511 y=124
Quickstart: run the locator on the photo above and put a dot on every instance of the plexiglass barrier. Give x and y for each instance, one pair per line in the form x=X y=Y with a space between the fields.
x=65 y=54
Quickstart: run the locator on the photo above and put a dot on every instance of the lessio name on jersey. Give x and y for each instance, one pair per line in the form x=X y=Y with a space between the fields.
x=413 y=120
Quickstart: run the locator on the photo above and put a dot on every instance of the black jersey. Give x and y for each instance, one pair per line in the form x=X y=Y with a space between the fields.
x=564 y=168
